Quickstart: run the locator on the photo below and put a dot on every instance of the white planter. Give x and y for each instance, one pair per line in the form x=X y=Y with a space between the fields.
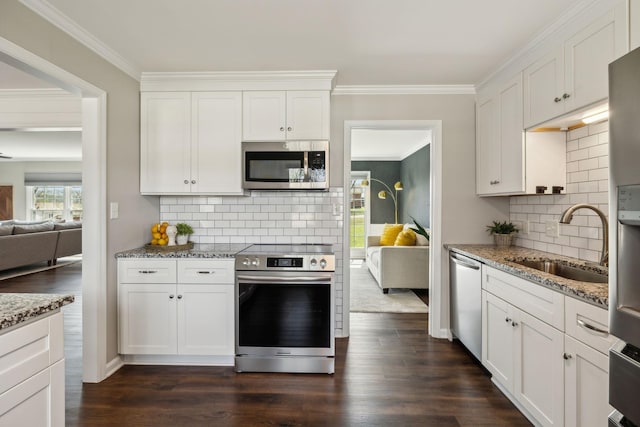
x=503 y=239
x=182 y=239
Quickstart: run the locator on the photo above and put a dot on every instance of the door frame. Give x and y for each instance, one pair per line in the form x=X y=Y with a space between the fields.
x=435 y=214
x=94 y=183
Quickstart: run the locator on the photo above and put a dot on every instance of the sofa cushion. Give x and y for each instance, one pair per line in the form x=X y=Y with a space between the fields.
x=389 y=234
x=6 y=230
x=67 y=225
x=34 y=228
x=421 y=240
x=6 y=222
x=22 y=222
x=406 y=238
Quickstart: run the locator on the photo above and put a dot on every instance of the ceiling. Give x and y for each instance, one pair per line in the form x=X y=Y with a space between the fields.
x=369 y=42
x=387 y=144
x=41 y=146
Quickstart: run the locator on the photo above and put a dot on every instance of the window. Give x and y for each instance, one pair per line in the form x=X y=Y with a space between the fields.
x=54 y=202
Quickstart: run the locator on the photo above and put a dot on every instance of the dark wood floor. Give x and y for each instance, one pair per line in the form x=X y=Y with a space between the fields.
x=388 y=373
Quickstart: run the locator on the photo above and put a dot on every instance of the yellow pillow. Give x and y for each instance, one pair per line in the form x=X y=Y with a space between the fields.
x=406 y=238
x=390 y=233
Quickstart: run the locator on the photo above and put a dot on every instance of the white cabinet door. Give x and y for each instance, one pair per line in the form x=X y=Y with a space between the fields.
x=308 y=115
x=264 y=116
x=147 y=314
x=497 y=339
x=543 y=87
x=37 y=401
x=539 y=368
x=511 y=137
x=216 y=162
x=587 y=57
x=487 y=146
x=165 y=135
x=205 y=319
x=586 y=385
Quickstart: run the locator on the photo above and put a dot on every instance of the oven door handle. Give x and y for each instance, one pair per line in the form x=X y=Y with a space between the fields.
x=280 y=279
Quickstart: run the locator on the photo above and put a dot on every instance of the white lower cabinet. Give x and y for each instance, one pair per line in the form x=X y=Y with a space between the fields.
x=32 y=374
x=554 y=378
x=190 y=316
x=524 y=355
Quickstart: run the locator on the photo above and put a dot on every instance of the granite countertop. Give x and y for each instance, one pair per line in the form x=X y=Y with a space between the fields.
x=219 y=250
x=18 y=308
x=502 y=257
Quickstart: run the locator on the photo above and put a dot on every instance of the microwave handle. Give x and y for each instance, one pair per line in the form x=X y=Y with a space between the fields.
x=306 y=166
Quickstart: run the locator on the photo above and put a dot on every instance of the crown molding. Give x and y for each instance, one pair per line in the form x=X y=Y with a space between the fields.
x=237 y=80
x=66 y=24
x=404 y=90
x=36 y=93
x=584 y=8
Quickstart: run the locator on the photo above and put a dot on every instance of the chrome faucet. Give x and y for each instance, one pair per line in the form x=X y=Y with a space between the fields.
x=567 y=216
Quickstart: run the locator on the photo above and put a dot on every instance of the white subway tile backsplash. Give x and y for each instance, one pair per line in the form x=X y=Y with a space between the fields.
x=587 y=182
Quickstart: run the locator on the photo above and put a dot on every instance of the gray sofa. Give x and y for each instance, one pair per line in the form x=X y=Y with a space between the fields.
x=398 y=266
x=23 y=243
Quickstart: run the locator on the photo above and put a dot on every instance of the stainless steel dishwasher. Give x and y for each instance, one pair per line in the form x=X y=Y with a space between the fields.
x=465 y=278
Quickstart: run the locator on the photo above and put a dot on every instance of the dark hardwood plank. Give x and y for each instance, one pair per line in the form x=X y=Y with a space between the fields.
x=388 y=372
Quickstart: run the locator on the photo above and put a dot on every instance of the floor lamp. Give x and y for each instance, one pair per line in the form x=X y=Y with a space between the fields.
x=383 y=193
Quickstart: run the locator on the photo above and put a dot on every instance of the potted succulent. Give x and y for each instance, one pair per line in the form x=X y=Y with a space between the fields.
x=502 y=232
x=420 y=229
x=183 y=233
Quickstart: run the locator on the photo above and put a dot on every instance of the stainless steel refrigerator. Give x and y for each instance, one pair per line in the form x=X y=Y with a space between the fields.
x=624 y=214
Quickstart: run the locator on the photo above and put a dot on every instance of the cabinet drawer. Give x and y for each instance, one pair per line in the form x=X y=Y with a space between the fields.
x=539 y=301
x=206 y=271
x=146 y=271
x=589 y=324
x=29 y=349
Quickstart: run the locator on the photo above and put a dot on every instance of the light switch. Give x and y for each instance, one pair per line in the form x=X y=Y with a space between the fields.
x=552 y=229
x=113 y=208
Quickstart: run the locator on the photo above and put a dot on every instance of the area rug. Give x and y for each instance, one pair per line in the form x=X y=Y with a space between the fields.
x=36 y=268
x=367 y=297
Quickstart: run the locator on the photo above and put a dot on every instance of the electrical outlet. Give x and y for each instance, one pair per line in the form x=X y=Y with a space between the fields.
x=552 y=229
x=113 y=206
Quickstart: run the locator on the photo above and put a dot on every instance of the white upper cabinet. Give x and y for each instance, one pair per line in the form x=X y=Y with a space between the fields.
x=285 y=115
x=190 y=143
x=576 y=74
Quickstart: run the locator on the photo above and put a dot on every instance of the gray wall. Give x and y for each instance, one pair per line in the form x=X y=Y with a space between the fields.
x=464 y=215
x=382 y=211
x=29 y=31
x=415 y=172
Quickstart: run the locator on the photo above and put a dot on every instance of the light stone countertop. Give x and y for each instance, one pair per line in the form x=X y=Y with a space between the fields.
x=219 y=250
x=498 y=257
x=16 y=308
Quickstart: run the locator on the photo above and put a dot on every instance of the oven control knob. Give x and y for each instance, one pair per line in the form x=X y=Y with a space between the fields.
x=313 y=262
x=245 y=262
x=255 y=262
x=323 y=263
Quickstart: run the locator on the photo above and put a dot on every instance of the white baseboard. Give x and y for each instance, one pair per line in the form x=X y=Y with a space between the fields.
x=113 y=366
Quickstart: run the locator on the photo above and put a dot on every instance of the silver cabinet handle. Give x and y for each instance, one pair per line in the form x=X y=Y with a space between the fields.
x=462 y=263
x=289 y=128
x=514 y=324
x=281 y=128
x=556 y=99
x=565 y=95
x=171 y=296
x=506 y=319
x=206 y=272
x=179 y=296
x=186 y=181
x=592 y=328
x=494 y=182
x=566 y=356
x=147 y=271
x=193 y=181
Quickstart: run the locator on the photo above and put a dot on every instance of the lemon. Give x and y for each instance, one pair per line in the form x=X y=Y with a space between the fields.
x=154 y=228
x=157 y=235
x=162 y=242
x=154 y=242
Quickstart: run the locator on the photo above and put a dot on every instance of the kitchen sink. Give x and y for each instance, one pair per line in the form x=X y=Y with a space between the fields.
x=563 y=269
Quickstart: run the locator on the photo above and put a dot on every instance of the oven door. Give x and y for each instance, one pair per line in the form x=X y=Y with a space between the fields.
x=284 y=314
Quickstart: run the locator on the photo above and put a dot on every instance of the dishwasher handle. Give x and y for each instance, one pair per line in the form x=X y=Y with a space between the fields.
x=462 y=263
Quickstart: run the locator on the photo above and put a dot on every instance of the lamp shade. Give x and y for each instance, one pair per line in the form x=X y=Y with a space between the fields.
x=364 y=183
x=382 y=195
x=398 y=185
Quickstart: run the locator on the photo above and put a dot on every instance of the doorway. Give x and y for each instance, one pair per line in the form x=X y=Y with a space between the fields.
x=359 y=215
x=94 y=241
x=6 y=202
x=435 y=259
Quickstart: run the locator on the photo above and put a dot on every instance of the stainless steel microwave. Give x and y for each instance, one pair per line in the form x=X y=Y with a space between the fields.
x=290 y=165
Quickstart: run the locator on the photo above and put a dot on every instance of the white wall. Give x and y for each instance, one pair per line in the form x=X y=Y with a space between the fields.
x=464 y=215
x=587 y=182
x=12 y=173
x=23 y=27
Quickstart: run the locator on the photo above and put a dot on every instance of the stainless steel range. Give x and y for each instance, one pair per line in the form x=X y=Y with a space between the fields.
x=285 y=309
